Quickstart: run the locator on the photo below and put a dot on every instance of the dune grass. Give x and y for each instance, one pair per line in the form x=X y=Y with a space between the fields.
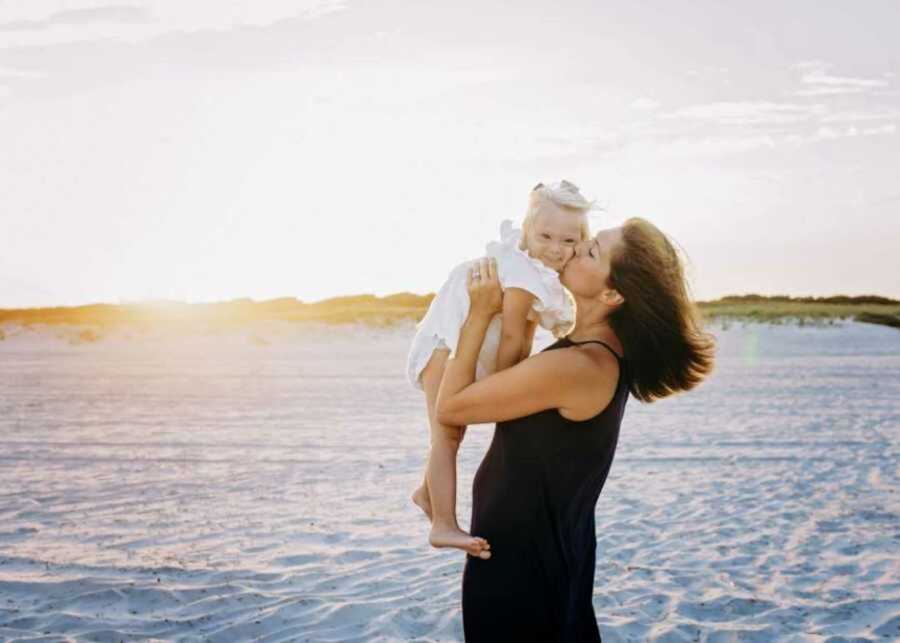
x=783 y=309
x=408 y=307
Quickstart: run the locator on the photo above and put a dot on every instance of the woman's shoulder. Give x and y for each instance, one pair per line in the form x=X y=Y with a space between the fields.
x=585 y=363
x=580 y=359
x=588 y=373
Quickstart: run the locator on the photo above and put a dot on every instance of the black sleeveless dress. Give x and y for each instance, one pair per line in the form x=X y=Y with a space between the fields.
x=533 y=498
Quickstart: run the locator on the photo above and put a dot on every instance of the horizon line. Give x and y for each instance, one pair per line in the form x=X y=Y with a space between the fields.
x=298 y=301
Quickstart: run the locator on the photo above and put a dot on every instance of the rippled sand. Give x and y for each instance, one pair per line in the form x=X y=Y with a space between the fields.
x=254 y=486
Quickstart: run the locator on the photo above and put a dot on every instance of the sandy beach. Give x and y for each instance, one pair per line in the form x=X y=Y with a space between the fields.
x=254 y=485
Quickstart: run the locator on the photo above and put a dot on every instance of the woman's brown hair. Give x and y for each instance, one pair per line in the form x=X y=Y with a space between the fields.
x=663 y=339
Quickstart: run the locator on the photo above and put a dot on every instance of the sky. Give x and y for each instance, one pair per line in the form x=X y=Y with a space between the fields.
x=206 y=150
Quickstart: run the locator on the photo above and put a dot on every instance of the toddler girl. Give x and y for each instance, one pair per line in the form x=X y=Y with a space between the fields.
x=528 y=265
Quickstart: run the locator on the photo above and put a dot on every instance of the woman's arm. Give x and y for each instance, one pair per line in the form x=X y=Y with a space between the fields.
x=572 y=380
x=550 y=380
x=514 y=336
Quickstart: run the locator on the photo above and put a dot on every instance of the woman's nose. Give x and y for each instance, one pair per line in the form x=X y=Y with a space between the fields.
x=582 y=248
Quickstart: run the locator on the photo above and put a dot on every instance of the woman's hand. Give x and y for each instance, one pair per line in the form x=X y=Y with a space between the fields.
x=485 y=294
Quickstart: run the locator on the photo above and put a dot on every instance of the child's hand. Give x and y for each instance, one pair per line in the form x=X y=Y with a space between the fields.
x=485 y=294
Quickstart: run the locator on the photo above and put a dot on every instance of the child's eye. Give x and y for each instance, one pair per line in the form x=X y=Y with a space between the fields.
x=570 y=241
x=545 y=236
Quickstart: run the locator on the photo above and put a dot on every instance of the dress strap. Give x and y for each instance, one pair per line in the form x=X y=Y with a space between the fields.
x=597 y=341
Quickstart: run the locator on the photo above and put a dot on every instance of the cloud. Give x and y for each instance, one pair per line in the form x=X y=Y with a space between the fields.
x=749 y=113
x=10 y=73
x=855 y=117
x=718 y=146
x=714 y=146
x=645 y=104
x=123 y=14
x=828 y=133
x=819 y=82
x=40 y=23
x=708 y=70
x=807 y=124
x=66 y=53
x=884 y=129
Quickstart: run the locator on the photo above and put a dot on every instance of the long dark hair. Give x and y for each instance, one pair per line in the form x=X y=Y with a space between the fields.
x=659 y=327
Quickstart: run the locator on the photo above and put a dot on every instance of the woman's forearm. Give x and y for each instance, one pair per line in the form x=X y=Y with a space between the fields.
x=460 y=369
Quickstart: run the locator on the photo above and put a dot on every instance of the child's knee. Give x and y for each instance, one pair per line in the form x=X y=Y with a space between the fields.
x=434 y=370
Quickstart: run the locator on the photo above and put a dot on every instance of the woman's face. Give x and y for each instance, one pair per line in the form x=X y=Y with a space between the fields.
x=587 y=273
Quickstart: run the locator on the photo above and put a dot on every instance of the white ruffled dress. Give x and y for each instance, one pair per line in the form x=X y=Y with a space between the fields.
x=552 y=308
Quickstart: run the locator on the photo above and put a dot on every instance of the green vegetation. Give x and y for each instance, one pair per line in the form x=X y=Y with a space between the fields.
x=877 y=318
x=784 y=309
x=367 y=309
x=382 y=311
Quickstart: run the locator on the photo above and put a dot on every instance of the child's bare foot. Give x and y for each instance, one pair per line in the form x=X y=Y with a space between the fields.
x=423 y=500
x=455 y=537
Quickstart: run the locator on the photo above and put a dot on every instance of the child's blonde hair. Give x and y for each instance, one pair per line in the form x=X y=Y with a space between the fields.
x=564 y=195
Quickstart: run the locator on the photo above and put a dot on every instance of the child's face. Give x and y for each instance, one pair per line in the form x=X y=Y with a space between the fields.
x=553 y=236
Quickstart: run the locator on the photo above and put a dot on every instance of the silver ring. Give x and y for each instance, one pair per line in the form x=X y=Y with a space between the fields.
x=476 y=274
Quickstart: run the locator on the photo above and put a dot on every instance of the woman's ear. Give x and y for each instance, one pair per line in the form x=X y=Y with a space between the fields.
x=613 y=298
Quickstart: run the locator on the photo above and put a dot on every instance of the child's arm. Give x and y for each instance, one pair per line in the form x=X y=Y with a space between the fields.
x=531 y=326
x=515 y=337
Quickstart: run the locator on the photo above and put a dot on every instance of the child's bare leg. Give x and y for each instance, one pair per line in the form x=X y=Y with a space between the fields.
x=440 y=473
x=422 y=495
x=422 y=498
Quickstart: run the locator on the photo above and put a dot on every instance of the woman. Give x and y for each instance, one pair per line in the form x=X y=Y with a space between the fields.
x=558 y=416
